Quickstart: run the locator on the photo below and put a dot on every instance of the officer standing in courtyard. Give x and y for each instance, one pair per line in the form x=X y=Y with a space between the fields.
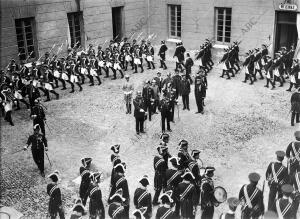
x=200 y=92
x=38 y=144
x=38 y=116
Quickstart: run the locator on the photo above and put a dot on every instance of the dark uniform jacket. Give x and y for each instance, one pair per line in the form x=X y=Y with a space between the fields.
x=286 y=208
x=164 y=213
x=116 y=211
x=256 y=198
x=188 y=199
x=96 y=204
x=37 y=141
x=295 y=101
x=185 y=87
x=142 y=198
x=281 y=173
x=120 y=182
x=162 y=52
x=55 y=201
x=39 y=112
x=160 y=168
x=184 y=158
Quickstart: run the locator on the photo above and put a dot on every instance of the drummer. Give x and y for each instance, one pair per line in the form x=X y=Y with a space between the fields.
x=128 y=90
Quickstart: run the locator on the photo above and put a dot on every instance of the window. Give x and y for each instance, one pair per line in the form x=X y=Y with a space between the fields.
x=223 y=25
x=25 y=37
x=174 y=15
x=75 y=25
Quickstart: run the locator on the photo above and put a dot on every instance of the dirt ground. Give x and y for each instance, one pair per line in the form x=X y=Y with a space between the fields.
x=240 y=131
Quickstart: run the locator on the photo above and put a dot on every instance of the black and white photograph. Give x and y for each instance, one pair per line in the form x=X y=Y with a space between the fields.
x=150 y=109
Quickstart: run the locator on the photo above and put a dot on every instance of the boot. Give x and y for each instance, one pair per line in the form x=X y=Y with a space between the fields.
x=135 y=68
x=129 y=108
x=142 y=69
x=122 y=75
x=290 y=88
x=99 y=80
x=80 y=88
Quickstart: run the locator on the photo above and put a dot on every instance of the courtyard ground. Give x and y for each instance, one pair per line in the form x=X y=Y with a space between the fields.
x=240 y=131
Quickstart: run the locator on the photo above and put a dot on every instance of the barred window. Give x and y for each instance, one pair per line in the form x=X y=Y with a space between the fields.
x=174 y=16
x=26 y=37
x=223 y=25
x=76 y=27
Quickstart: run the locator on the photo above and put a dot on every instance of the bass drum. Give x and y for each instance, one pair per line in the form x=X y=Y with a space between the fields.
x=220 y=195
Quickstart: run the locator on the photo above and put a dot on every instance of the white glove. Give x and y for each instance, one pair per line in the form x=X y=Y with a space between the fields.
x=25 y=148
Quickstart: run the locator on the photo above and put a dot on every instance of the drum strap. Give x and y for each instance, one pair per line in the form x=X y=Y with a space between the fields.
x=249 y=199
x=117 y=211
x=119 y=181
x=173 y=177
x=142 y=196
x=158 y=163
x=186 y=191
x=276 y=174
x=285 y=210
x=166 y=214
x=297 y=177
x=52 y=190
x=223 y=216
x=295 y=151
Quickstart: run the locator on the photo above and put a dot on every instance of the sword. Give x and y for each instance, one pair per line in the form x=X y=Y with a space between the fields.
x=48 y=127
x=48 y=158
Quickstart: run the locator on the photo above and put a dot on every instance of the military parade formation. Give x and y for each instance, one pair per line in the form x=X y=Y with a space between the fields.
x=183 y=186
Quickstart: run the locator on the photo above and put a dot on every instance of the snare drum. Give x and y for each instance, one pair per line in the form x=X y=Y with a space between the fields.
x=93 y=72
x=56 y=74
x=149 y=58
x=8 y=106
x=84 y=71
x=137 y=61
x=220 y=194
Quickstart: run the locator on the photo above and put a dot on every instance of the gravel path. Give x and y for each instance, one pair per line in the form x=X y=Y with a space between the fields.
x=240 y=131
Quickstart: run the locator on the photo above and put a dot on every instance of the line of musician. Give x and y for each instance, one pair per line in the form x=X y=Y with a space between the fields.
x=28 y=80
x=259 y=62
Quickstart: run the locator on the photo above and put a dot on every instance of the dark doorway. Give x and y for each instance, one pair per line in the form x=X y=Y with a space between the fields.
x=117 y=19
x=286 y=30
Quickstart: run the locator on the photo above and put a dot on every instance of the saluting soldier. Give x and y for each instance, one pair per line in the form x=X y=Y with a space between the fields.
x=183 y=154
x=120 y=182
x=116 y=209
x=38 y=144
x=38 y=116
x=162 y=54
x=160 y=168
x=293 y=154
x=165 y=211
x=142 y=197
x=85 y=174
x=55 y=202
x=207 y=194
x=285 y=206
x=277 y=175
x=252 y=198
x=188 y=196
x=96 y=206
x=232 y=204
x=139 y=113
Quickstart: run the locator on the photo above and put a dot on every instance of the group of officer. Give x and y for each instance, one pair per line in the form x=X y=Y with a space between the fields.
x=161 y=94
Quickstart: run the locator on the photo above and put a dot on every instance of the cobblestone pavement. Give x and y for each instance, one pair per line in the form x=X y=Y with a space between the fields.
x=240 y=131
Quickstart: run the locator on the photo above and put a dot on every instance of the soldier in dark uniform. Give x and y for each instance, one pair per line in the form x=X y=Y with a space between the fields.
x=179 y=54
x=200 y=92
x=248 y=67
x=33 y=94
x=195 y=170
x=165 y=110
x=295 y=181
x=176 y=82
x=183 y=154
x=207 y=194
x=96 y=206
x=120 y=182
x=159 y=81
x=188 y=196
x=38 y=144
x=116 y=208
x=252 y=198
x=148 y=96
x=173 y=178
x=232 y=204
x=162 y=54
x=139 y=113
x=285 y=206
x=140 y=213
x=165 y=211
x=293 y=154
x=185 y=92
x=160 y=168
x=277 y=175
x=85 y=174
x=294 y=74
x=188 y=67
x=295 y=109
x=38 y=116
x=142 y=198
x=55 y=202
